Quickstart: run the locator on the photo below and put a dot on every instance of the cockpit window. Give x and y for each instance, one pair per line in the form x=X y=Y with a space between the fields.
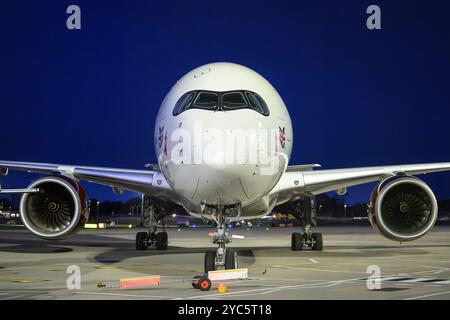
x=221 y=101
x=257 y=103
x=206 y=100
x=184 y=102
x=233 y=101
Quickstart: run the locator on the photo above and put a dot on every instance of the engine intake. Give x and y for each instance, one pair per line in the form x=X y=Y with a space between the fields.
x=58 y=211
x=403 y=208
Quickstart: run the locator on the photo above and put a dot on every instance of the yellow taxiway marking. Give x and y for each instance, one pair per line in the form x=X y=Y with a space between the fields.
x=20 y=280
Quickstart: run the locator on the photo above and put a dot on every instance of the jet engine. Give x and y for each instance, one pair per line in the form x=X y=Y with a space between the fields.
x=58 y=211
x=402 y=208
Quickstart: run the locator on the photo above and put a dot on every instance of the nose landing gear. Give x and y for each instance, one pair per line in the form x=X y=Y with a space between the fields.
x=307 y=238
x=222 y=258
x=151 y=238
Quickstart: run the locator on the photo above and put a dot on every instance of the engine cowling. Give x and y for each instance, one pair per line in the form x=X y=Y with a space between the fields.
x=58 y=211
x=402 y=208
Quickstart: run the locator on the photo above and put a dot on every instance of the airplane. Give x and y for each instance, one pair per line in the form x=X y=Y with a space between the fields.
x=223 y=139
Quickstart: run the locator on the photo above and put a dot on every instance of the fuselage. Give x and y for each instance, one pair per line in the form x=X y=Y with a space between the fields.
x=223 y=136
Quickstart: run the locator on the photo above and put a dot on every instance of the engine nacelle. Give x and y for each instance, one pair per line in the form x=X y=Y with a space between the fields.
x=402 y=208
x=58 y=211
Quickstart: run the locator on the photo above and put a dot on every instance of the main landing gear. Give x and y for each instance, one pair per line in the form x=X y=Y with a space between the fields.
x=307 y=218
x=222 y=258
x=151 y=214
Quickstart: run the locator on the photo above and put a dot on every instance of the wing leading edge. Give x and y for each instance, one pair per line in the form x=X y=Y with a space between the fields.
x=294 y=183
x=141 y=181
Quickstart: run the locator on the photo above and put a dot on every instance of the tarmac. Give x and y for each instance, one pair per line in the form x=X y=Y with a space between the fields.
x=31 y=268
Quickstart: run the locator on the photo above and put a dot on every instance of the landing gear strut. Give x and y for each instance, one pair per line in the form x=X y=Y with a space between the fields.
x=150 y=219
x=222 y=258
x=307 y=238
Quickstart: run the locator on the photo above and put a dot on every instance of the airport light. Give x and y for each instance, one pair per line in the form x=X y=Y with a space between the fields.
x=98 y=204
x=101 y=225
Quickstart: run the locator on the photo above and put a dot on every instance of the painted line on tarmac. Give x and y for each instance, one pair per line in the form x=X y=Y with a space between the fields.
x=312 y=285
x=410 y=280
x=315 y=269
x=428 y=295
x=12 y=297
x=416 y=280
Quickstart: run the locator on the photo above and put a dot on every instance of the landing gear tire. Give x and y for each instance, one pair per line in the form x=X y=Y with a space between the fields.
x=210 y=260
x=297 y=241
x=318 y=242
x=161 y=240
x=141 y=241
x=231 y=261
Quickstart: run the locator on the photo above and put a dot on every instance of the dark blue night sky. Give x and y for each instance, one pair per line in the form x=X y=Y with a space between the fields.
x=356 y=97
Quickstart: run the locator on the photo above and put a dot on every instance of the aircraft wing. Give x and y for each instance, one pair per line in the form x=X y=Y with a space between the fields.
x=299 y=182
x=142 y=181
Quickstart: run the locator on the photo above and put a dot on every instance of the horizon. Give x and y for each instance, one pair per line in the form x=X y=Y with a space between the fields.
x=356 y=98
